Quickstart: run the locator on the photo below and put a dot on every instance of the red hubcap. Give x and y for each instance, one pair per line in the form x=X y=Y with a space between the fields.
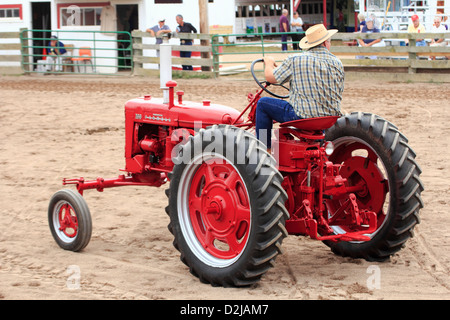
x=219 y=209
x=364 y=177
x=68 y=222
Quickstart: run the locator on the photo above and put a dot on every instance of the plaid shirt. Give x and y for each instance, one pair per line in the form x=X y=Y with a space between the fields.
x=316 y=82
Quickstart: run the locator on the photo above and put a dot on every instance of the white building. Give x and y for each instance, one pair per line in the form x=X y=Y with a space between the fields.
x=263 y=15
x=72 y=20
x=131 y=14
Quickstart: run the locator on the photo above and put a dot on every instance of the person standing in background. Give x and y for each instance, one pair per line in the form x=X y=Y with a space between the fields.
x=297 y=27
x=157 y=31
x=185 y=27
x=284 y=27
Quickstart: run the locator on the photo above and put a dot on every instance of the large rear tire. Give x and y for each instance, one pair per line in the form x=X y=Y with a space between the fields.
x=373 y=153
x=226 y=207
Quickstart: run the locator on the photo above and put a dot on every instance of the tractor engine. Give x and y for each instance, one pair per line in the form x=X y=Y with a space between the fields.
x=153 y=128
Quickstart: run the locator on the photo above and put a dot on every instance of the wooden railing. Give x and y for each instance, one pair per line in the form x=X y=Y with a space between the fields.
x=404 y=62
x=390 y=62
x=411 y=57
x=10 y=62
x=205 y=61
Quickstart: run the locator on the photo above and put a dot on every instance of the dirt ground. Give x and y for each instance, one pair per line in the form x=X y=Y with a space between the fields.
x=57 y=126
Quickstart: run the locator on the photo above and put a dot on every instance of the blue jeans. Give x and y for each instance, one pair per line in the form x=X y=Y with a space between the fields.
x=267 y=110
x=186 y=54
x=284 y=45
x=421 y=43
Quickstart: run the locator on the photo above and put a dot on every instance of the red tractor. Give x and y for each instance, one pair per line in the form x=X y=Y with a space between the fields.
x=351 y=182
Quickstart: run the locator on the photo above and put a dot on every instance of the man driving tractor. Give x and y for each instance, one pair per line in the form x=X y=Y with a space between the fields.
x=316 y=84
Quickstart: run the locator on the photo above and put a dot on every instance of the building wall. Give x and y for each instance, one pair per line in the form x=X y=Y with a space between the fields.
x=221 y=12
x=15 y=23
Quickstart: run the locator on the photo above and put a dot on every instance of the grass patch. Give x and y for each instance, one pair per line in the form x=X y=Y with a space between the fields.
x=192 y=75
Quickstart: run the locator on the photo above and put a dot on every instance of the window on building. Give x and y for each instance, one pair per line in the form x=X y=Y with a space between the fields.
x=168 y=1
x=260 y=10
x=88 y=16
x=257 y=10
x=10 y=11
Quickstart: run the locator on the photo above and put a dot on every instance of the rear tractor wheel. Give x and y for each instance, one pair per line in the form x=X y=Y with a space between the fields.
x=377 y=160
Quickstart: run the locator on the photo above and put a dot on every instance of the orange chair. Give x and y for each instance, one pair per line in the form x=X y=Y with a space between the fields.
x=85 y=56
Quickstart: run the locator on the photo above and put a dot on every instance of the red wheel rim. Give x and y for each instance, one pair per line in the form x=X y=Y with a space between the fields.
x=219 y=209
x=365 y=173
x=68 y=222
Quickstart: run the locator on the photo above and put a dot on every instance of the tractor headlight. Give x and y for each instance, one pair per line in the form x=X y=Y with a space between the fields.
x=329 y=148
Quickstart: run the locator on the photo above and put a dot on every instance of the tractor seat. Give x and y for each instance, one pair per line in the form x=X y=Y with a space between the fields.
x=312 y=124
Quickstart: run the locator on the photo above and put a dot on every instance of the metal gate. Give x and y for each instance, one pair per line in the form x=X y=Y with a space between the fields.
x=77 y=52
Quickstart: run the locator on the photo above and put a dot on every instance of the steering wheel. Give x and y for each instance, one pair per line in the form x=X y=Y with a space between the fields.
x=265 y=84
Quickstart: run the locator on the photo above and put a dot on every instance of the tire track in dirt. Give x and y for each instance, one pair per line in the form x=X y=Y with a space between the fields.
x=26 y=273
x=429 y=261
x=43 y=275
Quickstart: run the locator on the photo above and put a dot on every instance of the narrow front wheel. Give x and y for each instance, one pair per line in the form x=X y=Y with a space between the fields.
x=69 y=220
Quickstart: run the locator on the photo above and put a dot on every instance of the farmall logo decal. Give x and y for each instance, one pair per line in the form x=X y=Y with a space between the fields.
x=155 y=117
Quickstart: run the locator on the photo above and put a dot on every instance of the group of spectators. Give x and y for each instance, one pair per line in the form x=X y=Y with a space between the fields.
x=371 y=25
x=296 y=25
x=183 y=27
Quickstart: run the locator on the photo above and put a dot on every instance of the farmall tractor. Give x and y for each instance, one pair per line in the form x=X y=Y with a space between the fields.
x=351 y=182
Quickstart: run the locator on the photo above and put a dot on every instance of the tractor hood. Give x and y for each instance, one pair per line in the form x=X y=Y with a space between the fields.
x=185 y=114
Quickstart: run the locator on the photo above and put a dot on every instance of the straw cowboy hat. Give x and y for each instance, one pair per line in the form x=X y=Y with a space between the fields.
x=315 y=35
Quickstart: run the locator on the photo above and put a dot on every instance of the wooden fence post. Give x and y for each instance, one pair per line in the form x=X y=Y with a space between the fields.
x=137 y=51
x=139 y=59
x=216 y=66
x=204 y=28
x=11 y=44
x=412 y=56
x=24 y=43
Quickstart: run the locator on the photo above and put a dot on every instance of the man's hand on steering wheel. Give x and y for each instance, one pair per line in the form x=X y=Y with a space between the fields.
x=270 y=63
